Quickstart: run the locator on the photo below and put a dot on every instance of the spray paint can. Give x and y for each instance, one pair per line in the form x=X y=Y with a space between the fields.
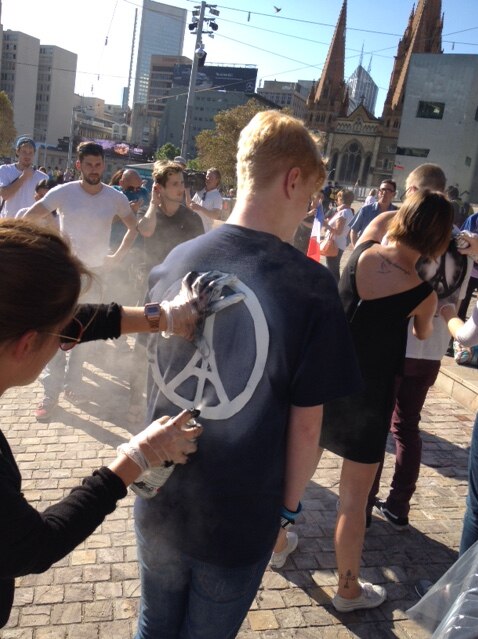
x=148 y=483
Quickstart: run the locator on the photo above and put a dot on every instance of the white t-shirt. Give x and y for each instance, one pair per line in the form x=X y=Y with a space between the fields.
x=86 y=219
x=209 y=200
x=25 y=196
x=341 y=240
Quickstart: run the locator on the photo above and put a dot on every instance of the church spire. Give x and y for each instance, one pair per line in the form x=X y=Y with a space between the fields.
x=422 y=35
x=330 y=99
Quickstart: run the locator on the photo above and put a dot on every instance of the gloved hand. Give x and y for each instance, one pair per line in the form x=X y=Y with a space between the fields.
x=165 y=440
x=201 y=295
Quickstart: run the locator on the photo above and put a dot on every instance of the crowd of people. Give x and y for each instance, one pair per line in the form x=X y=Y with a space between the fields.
x=235 y=321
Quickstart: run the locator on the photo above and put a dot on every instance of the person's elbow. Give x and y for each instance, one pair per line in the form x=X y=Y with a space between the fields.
x=422 y=332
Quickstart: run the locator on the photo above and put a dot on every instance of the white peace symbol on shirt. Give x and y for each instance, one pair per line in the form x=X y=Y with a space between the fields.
x=205 y=370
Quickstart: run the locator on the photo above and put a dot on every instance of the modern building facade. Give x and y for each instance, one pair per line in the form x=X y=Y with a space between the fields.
x=292 y=95
x=19 y=76
x=362 y=90
x=161 y=32
x=55 y=93
x=439 y=121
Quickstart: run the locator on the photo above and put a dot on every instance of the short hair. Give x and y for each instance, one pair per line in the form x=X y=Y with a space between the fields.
x=46 y=183
x=347 y=196
x=89 y=148
x=392 y=183
x=453 y=193
x=215 y=172
x=424 y=222
x=163 y=170
x=427 y=176
x=39 y=271
x=274 y=142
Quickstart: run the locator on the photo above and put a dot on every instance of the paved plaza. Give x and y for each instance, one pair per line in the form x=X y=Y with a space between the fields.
x=94 y=592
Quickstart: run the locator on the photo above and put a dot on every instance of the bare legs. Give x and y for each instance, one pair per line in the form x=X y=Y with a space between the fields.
x=355 y=483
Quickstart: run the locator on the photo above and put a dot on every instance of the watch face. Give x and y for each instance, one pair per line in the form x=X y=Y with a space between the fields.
x=152 y=310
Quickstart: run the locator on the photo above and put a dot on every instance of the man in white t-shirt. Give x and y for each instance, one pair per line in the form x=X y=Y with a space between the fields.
x=208 y=202
x=86 y=209
x=18 y=180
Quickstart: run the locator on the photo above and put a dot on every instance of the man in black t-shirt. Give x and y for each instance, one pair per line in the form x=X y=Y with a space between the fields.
x=270 y=363
x=167 y=222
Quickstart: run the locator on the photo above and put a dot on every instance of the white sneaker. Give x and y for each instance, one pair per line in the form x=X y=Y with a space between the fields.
x=370 y=597
x=278 y=559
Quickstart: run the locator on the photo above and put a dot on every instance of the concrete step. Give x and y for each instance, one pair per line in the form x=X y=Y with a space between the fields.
x=459 y=382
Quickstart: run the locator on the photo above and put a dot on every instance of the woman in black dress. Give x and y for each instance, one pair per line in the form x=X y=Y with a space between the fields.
x=380 y=291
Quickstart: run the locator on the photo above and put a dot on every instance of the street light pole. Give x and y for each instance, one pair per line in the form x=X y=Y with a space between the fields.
x=70 y=142
x=192 y=84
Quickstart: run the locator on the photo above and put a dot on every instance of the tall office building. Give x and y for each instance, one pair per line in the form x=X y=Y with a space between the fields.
x=161 y=33
x=362 y=90
x=19 y=75
x=54 y=94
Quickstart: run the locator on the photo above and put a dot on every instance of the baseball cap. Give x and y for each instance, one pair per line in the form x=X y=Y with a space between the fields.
x=25 y=139
x=179 y=159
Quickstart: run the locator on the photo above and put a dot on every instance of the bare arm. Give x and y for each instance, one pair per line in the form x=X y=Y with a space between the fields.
x=466 y=333
x=377 y=229
x=213 y=213
x=37 y=212
x=423 y=317
x=302 y=450
x=128 y=239
x=147 y=223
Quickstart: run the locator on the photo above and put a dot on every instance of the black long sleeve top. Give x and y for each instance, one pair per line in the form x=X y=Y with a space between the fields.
x=30 y=541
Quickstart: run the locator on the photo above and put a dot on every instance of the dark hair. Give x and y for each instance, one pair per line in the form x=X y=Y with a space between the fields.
x=89 y=148
x=41 y=279
x=46 y=183
x=453 y=193
x=424 y=222
x=391 y=182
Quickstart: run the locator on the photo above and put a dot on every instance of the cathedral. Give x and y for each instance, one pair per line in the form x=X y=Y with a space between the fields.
x=360 y=147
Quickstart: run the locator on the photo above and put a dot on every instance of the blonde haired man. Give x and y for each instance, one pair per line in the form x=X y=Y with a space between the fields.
x=258 y=388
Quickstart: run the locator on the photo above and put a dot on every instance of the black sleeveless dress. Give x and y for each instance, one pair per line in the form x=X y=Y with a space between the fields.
x=356 y=427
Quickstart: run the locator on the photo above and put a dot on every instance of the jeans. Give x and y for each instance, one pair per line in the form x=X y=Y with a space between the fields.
x=470 y=522
x=60 y=373
x=184 y=598
x=411 y=391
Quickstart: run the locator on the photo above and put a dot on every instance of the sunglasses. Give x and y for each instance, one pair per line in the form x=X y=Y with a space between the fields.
x=76 y=330
x=133 y=189
x=386 y=191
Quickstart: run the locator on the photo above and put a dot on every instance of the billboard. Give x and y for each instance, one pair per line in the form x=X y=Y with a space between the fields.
x=220 y=77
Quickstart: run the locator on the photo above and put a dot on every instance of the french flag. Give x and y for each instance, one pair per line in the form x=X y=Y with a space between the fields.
x=314 y=243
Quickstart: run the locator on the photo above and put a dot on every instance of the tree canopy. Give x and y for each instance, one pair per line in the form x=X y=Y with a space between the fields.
x=167 y=152
x=8 y=132
x=218 y=147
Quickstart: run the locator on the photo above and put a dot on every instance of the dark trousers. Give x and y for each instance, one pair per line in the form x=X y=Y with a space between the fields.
x=412 y=388
x=333 y=264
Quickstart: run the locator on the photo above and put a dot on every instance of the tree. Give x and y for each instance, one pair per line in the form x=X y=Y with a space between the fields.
x=8 y=132
x=168 y=152
x=218 y=147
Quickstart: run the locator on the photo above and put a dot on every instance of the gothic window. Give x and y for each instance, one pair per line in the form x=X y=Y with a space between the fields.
x=366 y=168
x=350 y=165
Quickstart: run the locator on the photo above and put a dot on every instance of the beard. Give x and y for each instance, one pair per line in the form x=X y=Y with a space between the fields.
x=92 y=179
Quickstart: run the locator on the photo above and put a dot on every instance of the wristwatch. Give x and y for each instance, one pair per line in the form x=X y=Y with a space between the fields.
x=152 y=313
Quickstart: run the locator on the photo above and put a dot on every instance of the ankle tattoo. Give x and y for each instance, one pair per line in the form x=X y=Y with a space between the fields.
x=349 y=579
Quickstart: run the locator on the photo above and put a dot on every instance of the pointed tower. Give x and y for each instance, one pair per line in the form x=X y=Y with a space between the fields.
x=330 y=98
x=422 y=35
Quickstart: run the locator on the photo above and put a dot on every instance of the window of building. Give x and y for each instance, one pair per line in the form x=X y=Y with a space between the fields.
x=412 y=151
x=467 y=161
x=476 y=114
x=431 y=110
x=350 y=165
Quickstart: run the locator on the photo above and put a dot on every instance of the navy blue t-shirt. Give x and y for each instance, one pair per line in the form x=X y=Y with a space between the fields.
x=287 y=343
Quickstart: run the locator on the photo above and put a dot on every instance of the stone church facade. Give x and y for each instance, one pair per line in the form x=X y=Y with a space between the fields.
x=360 y=148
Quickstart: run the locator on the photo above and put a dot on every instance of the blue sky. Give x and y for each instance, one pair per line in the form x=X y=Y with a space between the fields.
x=289 y=45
